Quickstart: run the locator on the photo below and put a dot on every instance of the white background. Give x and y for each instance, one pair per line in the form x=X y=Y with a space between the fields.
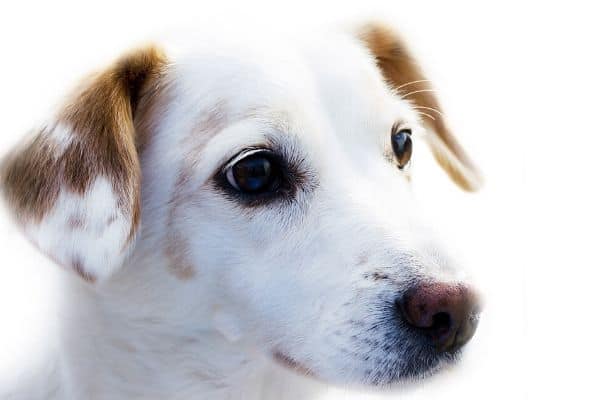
x=520 y=83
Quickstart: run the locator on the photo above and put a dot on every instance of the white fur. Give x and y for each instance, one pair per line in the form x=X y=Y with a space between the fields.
x=98 y=244
x=61 y=136
x=285 y=278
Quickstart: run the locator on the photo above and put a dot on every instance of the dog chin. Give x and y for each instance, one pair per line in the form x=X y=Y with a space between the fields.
x=405 y=375
x=396 y=374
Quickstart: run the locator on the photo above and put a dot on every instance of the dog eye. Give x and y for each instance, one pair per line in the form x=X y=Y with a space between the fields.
x=254 y=172
x=402 y=146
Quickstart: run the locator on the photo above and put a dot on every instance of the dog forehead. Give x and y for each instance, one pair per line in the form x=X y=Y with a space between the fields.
x=331 y=78
x=247 y=75
x=352 y=92
x=346 y=74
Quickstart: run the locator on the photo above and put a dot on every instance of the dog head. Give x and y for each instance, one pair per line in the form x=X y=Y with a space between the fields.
x=267 y=190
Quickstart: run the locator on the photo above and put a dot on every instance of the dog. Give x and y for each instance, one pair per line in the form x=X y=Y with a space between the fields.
x=236 y=222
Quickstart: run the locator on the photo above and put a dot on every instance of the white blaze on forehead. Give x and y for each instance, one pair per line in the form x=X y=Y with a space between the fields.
x=84 y=232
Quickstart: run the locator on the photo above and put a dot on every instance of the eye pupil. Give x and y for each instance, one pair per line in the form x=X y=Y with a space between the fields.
x=402 y=146
x=252 y=174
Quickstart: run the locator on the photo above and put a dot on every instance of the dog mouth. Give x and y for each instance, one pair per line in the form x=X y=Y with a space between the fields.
x=406 y=359
x=415 y=369
x=409 y=339
x=388 y=373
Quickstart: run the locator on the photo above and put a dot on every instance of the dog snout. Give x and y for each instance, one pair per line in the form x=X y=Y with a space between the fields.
x=446 y=314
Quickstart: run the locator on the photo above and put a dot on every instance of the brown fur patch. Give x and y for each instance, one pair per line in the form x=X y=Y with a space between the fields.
x=102 y=115
x=77 y=266
x=100 y=118
x=155 y=97
x=92 y=135
x=404 y=74
x=210 y=123
x=31 y=177
x=176 y=250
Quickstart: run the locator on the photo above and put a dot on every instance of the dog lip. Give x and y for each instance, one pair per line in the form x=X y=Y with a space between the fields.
x=288 y=362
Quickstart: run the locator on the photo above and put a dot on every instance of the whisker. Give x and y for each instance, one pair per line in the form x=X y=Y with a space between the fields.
x=425 y=114
x=417 y=91
x=412 y=83
x=441 y=114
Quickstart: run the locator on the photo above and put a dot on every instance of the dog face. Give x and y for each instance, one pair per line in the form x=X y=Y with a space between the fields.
x=275 y=202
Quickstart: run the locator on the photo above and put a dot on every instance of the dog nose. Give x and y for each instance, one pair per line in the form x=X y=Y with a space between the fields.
x=447 y=314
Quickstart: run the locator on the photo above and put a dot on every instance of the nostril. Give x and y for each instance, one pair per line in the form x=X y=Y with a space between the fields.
x=441 y=323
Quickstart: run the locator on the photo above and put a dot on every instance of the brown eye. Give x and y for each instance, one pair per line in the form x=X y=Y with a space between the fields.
x=255 y=172
x=402 y=146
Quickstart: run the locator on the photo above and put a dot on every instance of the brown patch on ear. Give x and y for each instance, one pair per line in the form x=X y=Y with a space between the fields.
x=99 y=118
x=154 y=98
x=91 y=141
x=31 y=178
x=102 y=116
x=402 y=73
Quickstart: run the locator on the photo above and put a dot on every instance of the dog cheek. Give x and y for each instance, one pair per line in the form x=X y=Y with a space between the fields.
x=228 y=325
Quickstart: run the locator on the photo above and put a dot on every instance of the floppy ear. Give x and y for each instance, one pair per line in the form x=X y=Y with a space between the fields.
x=75 y=186
x=404 y=75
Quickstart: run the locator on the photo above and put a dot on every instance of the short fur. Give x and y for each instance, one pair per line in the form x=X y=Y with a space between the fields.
x=191 y=292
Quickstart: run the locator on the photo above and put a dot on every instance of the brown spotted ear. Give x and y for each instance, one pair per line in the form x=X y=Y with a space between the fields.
x=75 y=186
x=404 y=75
